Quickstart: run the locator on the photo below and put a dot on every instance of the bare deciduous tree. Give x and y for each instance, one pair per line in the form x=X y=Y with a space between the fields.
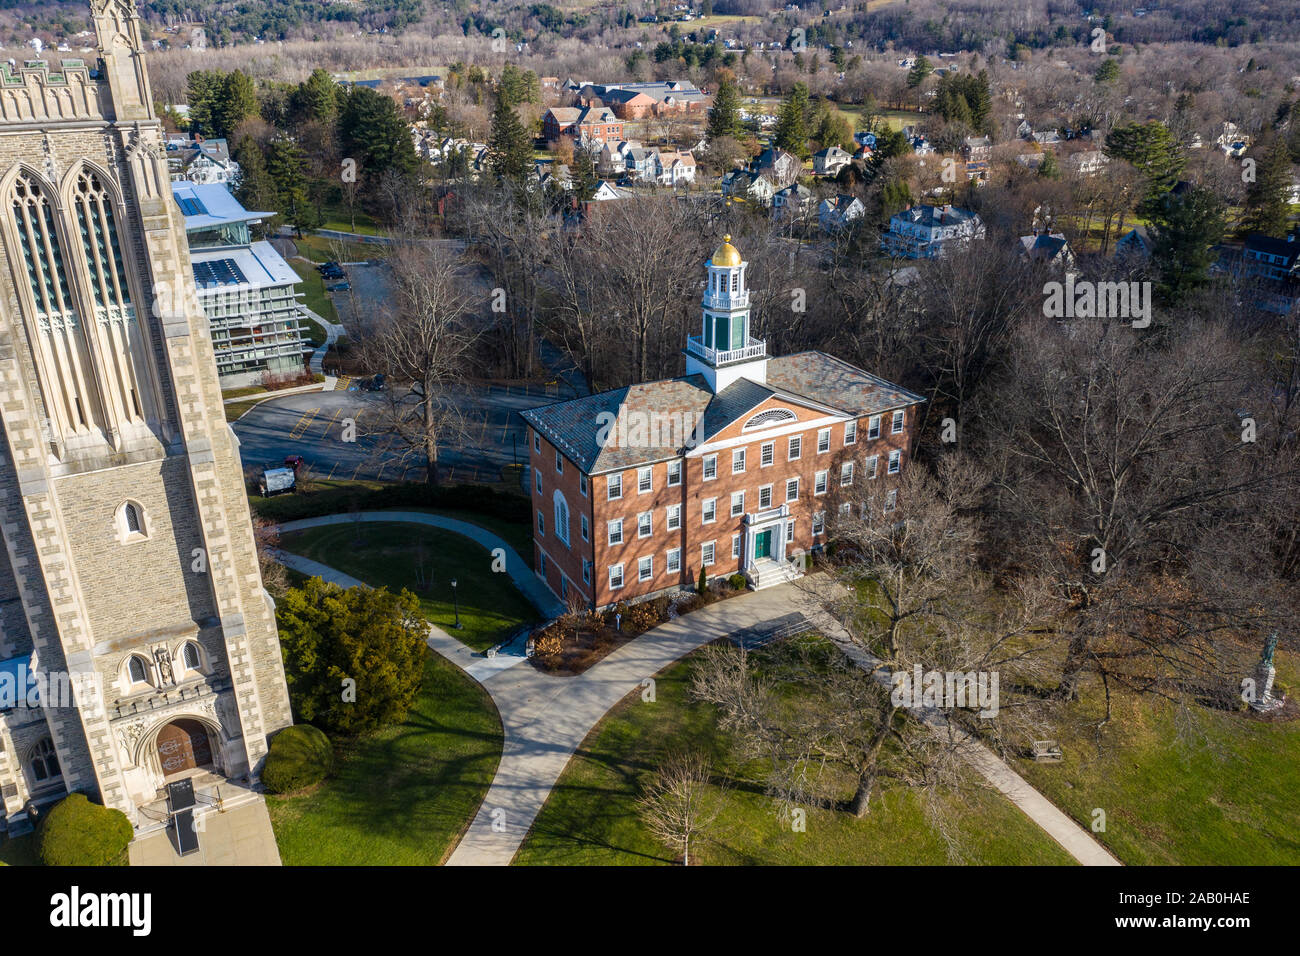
x=680 y=801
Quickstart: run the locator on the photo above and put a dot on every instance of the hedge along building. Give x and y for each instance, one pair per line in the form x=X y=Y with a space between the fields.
x=727 y=469
x=128 y=561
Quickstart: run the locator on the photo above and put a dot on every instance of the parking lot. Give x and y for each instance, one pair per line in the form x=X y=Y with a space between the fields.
x=315 y=424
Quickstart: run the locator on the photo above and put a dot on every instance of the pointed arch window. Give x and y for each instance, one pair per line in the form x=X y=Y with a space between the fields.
x=99 y=239
x=61 y=343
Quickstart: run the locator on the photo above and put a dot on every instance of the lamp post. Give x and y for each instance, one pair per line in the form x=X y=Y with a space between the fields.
x=456 y=602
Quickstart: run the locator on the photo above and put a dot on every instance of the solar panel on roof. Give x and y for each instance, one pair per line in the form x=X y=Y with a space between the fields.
x=192 y=207
x=218 y=272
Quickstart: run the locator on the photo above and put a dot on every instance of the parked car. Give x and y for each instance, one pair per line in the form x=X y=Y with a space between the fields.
x=326 y=266
x=339 y=287
x=294 y=461
x=376 y=383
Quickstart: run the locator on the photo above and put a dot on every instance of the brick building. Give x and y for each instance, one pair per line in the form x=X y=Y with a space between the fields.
x=128 y=568
x=730 y=468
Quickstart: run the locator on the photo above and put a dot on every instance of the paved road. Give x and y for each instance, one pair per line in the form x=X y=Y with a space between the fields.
x=312 y=425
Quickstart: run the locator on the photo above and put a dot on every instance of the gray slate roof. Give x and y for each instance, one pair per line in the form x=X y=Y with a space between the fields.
x=572 y=426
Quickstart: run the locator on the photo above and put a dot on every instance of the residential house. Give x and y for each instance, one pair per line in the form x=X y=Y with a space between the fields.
x=748 y=186
x=612 y=158
x=641 y=163
x=977 y=149
x=674 y=168
x=793 y=202
x=839 y=212
x=1136 y=243
x=1088 y=162
x=830 y=161
x=1048 y=248
x=740 y=466
x=924 y=232
x=778 y=166
x=1264 y=257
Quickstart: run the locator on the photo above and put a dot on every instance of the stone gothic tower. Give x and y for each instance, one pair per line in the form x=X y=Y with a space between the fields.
x=128 y=569
x=724 y=350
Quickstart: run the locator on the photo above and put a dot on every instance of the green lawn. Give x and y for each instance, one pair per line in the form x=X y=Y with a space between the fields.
x=315 y=297
x=591 y=818
x=403 y=796
x=1225 y=794
x=387 y=555
x=320 y=249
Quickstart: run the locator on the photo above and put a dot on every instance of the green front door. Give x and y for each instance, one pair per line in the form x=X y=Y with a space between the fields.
x=763 y=544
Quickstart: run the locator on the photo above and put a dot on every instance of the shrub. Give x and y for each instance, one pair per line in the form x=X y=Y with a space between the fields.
x=300 y=756
x=703 y=586
x=370 y=636
x=738 y=581
x=80 y=833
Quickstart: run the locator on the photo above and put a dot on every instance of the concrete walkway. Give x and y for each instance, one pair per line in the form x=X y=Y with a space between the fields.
x=527 y=581
x=545 y=718
x=240 y=836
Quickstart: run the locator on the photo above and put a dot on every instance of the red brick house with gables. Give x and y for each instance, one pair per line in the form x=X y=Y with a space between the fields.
x=729 y=468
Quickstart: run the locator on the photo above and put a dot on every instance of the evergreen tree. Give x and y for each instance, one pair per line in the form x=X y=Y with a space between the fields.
x=374 y=132
x=235 y=102
x=1108 y=72
x=1049 y=168
x=510 y=148
x=287 y=168
x=255 y=188
x=317 y=97
x=791 y=132
x=518 y=86
x=203 y=87
x=1152 y=150
x=1267 y=208
x=724 y=117
x=585 y=180
x=1184 y=228
x=919 y=71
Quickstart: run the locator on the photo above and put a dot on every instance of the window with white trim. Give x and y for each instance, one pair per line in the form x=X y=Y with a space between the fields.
x=586 y=528
x=614 y=488
x=891 y=499
x=792 y=489
x=873 y=426
x=709 y=510
x=586 y=571
x=538 y=475
x=615 y=531
x=789 y=531
x=737 y=504
x=541 y=524
x=644 y=480
x=674 y=474
x=710 y=467
x=674 y=517
x=846 y=509
x=823 y=440
x=850 y=432
x=898 y=422
x=895 y=461
x=674 y=560
x=873 y=466
x=537 y=443
x=644 y=524
x=615 y=576
x=819 y=483
x=582 y=484
x=737 y=461
x=735 y=545
x=765 y=496
x=706 y=554
x=645 y=568
x=561 y=518
x=767 y=451
x=846 y=474
x=559 y=463
x=819 y=523
x=796 y=448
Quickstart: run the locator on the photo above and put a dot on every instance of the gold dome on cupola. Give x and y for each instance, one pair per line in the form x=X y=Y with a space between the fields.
x=726 y=254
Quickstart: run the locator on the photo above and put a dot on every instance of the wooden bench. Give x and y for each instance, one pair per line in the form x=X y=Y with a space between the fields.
x=1047 y=751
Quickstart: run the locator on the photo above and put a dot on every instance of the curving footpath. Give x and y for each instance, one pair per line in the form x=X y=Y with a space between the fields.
x=546 y=717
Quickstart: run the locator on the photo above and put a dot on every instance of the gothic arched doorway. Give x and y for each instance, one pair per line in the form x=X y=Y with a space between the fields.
x=183 y=745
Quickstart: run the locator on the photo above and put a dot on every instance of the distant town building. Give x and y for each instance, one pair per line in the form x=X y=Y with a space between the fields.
x=925 y=232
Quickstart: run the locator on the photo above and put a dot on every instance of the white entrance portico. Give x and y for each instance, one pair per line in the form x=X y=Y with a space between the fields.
x=763 y=549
